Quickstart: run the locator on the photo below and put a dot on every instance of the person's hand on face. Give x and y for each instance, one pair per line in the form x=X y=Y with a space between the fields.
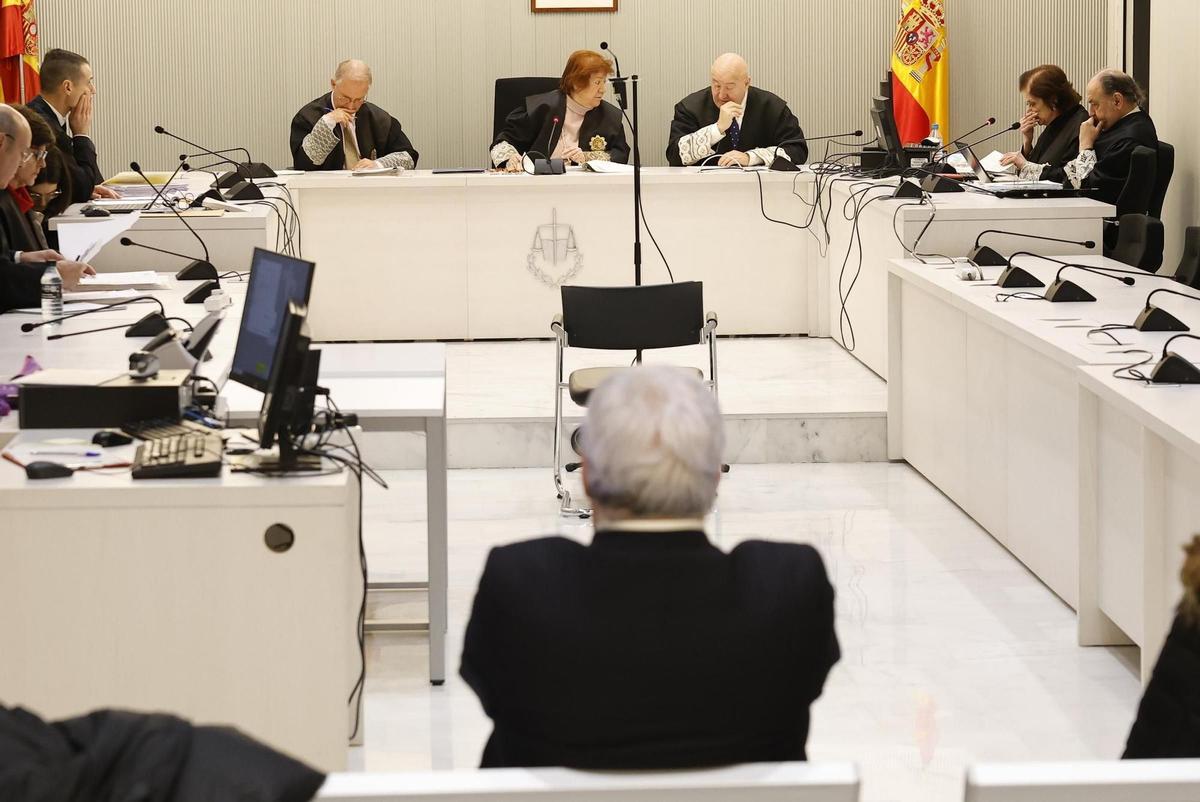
x=80 y=117
x=1089 y=132
x=729 y=112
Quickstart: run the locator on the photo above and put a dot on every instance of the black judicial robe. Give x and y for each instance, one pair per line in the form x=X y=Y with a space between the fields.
x=20 y=283
x=528 y=127
x=17 y=226
x=79 y=154
x=1059 y=142
x=1168 y=717
x=375 y=130
x=768 y=122
x=1114 y=148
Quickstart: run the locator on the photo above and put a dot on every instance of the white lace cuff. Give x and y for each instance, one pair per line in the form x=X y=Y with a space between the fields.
x=697 y=146
x=502 y=153
x=401 y=159
x=1031 y=171
x=1079 y=169
x=319 y=143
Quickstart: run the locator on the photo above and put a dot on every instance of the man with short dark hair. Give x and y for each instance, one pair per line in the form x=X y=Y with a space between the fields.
x=66 y=101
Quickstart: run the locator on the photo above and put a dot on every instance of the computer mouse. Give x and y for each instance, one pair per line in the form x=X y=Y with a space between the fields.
x=44 y=469
x=108 y=438
x=95 y=211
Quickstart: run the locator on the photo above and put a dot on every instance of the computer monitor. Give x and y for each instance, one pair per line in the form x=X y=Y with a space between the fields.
x=275 y=281
x=885 y=128
x=287 y=408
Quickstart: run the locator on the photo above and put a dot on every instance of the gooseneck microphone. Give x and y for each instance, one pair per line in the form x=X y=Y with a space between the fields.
x=1015 y=277
x=247 y=170
x=966 y=145
x=986 y=123
x=618 y=81
x=198 y=269
x=987 y=257
x=148 y=326
x=1066 y=291
x=1173 y=368
x=788 y=166
x=1154 y=318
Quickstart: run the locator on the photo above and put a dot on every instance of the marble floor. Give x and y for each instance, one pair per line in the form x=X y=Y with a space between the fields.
x=952 y=652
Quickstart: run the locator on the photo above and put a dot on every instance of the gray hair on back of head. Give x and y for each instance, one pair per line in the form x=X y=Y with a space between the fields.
x=352 y=69
x=653 y=441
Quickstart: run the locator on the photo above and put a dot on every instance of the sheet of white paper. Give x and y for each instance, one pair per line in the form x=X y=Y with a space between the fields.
x=99 y=295
x=62 y=376
x=146 y=279
x=991 y=163
x=600 y=166
x=81 y=241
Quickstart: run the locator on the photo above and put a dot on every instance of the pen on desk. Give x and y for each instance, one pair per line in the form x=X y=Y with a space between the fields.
x=66 y=453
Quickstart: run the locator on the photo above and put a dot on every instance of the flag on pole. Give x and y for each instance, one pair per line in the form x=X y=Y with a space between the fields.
x=920 y=71
x=19 y=76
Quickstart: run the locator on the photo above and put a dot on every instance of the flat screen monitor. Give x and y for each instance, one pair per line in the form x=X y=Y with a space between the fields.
x=885 y=128
x=287 y=407
x=275 y=281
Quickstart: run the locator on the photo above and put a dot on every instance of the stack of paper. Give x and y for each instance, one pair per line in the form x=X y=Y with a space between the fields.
x=140 y=279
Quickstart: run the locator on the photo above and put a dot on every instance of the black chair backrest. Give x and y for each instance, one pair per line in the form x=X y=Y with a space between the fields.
x=1188 y=271
x=511 y=93
x=629 y=318
x=1132 y=239
x=1139 y=186
x=1163 y=170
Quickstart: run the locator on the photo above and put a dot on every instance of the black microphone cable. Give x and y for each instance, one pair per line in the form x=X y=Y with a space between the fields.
x=642 y=205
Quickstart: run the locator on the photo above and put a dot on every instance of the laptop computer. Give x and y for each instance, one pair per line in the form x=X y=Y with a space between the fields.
x=1014 y=187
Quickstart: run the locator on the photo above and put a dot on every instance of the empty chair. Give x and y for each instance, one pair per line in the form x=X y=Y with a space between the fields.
x=623 y=319
x=511 y=93
x=1085 y=781
x=748 y=782
x=1139 y=242
x=1136 y=195
x=1163 y=170
x=1188 y=271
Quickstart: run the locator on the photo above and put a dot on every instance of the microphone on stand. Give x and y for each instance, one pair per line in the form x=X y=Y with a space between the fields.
x=787 y=165
x=1015 y=126
x=148 y=326
x=1174 y=369
x=1067 y=291
x=618 y=81
x=1015 y=277
x=983 y=256
x=1155 y=318
x=197 y=270
x=248 y=170
x=239 y=189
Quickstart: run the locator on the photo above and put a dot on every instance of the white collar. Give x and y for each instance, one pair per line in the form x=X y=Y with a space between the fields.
x=62 y=119
x=654 y=525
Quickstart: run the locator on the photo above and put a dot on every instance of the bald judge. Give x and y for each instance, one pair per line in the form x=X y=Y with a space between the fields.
x=733 y=123
x=342 y=131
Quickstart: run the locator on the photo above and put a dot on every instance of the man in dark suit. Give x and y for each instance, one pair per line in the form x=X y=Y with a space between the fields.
x=21 y=272
x=649 y=648
x=733 y=123
x=66 y=101
x=340 y=130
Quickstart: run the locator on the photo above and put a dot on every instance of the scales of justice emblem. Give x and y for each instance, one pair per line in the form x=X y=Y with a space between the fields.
x=554 y=246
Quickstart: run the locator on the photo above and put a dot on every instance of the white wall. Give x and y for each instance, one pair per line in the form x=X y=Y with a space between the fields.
x=1174 y=78
x=235 y=71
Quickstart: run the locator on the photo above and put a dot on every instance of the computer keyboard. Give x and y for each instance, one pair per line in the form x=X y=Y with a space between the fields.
x=183 y=456
x=162 y=427
x=119 y=207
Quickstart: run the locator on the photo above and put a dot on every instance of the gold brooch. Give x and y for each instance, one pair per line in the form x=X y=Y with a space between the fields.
x=597 y=144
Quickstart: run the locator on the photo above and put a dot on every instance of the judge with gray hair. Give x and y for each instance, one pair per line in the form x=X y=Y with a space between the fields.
x=649 y=648
x=342 y=131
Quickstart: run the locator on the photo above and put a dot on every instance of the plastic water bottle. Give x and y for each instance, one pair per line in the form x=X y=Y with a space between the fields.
x=52 y=294
x=935 y=136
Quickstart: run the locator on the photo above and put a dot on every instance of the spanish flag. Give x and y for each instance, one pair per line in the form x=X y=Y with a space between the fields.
x=920 y=71
x=18 y=51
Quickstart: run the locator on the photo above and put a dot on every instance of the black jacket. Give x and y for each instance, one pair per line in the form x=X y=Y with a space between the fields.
x=649 y=651
x=79 y=153
x=1168 y=718
x=1114 y=147
x=1059 y=142
x=115 y=756
x=528 y=127
x=20 y=283
x=18 y=228
x=768 y=122
x=374 y=130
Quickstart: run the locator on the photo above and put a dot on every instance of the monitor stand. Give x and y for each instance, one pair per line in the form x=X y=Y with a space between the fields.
x=288 y=460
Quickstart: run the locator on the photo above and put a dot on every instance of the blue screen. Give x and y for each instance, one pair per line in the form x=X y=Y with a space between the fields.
x=275 y=280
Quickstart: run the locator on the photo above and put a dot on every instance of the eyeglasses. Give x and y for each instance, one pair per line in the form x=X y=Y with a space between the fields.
x=44 y=197
x=30 y=154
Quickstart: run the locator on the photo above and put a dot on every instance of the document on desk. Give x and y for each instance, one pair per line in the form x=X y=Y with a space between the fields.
x=71 y=296
x=991 y=163
x=140 y=279
x=129 y=177
x=83 y=240
x=601 y=166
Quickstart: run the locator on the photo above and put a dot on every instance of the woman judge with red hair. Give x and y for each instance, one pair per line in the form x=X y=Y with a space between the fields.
x=573 y=122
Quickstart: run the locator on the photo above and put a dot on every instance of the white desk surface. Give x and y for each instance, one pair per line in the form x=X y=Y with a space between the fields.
x=1058 y=330
x=1171 y=411
x=368 y=397
x=378 y=360
x=972 y=205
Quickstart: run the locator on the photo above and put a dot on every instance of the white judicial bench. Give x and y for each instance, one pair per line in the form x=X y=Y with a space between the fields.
x=958 y=218
x=986 y=400
x=1085 y=781
x=751 y=782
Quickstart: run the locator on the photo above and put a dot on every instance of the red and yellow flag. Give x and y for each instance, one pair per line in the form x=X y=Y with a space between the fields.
x=920 y=71
x=18 y=51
